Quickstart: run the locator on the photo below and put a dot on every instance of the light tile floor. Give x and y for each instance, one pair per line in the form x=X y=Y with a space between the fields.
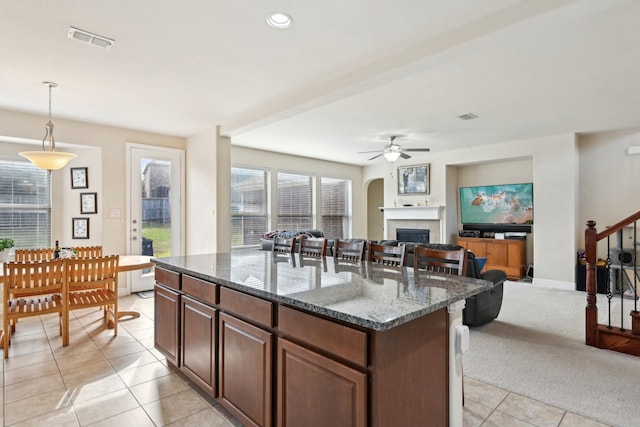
x=102 y=380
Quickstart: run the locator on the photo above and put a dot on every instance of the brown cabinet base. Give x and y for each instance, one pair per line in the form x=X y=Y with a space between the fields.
x=166 y=333
x=508 y=255
x=245 y=371
x=315 y=391
x=199 y=341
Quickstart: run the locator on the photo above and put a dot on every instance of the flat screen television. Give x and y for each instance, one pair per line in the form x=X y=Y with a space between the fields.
x=507 y=204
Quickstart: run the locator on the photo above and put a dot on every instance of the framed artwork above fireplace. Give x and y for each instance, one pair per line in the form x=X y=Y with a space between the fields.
x=413 y=179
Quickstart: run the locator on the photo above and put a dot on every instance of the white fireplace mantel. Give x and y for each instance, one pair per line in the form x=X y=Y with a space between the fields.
x=413 y=212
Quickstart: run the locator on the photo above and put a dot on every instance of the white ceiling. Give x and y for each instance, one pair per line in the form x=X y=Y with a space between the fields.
x=346 y=75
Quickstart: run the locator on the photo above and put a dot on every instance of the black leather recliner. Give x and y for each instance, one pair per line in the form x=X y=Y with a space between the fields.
x=485 y=306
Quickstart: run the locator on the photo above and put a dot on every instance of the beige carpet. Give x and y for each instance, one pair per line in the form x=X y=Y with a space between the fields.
x=536 y=348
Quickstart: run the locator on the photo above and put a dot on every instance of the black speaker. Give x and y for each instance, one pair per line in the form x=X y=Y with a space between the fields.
x=625 y=257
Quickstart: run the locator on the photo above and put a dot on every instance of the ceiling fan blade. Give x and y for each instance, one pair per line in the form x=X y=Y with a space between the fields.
x=417 y=149
x=376 y=156
x=365 y=152
x=405 y=156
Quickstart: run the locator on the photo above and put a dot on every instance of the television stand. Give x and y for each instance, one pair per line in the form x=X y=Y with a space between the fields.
x=508 y=255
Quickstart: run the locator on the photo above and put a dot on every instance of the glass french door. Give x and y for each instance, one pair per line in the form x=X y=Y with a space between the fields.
x=155 y=210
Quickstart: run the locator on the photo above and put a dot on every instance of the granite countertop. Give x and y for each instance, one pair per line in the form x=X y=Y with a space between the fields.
x=362 y=294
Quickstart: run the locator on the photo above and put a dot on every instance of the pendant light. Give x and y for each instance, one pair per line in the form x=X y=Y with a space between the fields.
x=48 y=158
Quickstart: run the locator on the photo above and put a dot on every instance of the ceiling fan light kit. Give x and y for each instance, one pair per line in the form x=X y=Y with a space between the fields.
x=391 y=156
x=393 y=151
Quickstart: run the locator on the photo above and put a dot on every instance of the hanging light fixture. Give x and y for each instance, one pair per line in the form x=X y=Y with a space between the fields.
x=392 y=152
x=48 y=158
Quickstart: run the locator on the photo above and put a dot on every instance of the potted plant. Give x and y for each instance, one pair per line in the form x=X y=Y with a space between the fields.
x=5 y=245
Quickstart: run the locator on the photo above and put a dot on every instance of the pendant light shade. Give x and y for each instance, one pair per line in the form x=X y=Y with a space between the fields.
x=392 y=152
x=391 y=156
x=48 y=158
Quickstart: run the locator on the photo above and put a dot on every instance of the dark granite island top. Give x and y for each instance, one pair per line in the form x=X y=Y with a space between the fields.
x=371 y=297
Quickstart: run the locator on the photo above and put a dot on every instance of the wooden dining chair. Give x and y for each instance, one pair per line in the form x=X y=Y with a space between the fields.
x=283 y=245
x=442 y=261
x=40 y=254
x=87 y=251
x=313 y=252
x=387 y=255
x=351 y=251
x=93 y=282
x=311 y=247
x=33 y=289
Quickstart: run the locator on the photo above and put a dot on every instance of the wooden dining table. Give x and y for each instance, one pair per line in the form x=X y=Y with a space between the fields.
x=131 y=263
x=126 y=263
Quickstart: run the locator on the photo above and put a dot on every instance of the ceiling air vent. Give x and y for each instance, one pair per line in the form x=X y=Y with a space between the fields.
x=468 y=116
x=87 y=37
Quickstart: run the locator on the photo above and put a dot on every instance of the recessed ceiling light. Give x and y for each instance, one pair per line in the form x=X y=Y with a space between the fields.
x=279 y=20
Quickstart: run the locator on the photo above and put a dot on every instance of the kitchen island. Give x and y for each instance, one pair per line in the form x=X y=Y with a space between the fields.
x=286 y=342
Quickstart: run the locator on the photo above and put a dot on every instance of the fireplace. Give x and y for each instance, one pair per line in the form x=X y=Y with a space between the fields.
x=423 y=218
x=416 y=235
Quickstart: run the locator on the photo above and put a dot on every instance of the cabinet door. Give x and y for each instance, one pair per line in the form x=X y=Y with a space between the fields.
x=245 y=371
x=199 y=343
x=478 y=248
x=315 y=391
x=166 y=309
x=497 y=254
x=516 y=254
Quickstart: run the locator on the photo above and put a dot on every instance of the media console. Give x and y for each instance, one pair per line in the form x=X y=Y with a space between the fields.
x=508 y=255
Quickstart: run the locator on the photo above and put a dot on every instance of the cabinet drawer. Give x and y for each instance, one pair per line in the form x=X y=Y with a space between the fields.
x=247 y=306
x=168 y=278
x=200 y=289
x=340 y=340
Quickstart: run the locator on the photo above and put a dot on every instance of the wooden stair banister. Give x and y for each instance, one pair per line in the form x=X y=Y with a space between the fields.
x=603 y=336
x=591 y=311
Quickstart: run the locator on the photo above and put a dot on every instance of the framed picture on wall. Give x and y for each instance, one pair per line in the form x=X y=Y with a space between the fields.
x=80 y=227
x=413 y=179
x=88 y=203
x=79 y=178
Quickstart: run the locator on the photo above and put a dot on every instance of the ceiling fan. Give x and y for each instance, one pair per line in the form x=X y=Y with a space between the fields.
x=393 y=151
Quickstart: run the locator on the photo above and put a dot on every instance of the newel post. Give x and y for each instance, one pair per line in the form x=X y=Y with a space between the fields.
x=591 y=311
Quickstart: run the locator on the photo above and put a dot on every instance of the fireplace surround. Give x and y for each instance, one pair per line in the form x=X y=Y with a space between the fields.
x=416 y=217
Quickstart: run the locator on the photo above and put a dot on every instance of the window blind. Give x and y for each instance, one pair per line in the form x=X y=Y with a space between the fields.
x=249 y=206
x=295 y=201
x=336 y=207
x=25 y=204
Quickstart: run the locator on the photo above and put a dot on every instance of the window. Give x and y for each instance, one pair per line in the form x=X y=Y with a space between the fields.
x=25 y=204
x=295 y=202
x=249 y=206
x=336 y=207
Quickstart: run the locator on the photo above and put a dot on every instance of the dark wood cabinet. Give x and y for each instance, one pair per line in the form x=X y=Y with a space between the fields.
x=245 y=371
x=316 y=391
x=508 y=255
x=271 y=364
x=199 y=340
x=166 y=333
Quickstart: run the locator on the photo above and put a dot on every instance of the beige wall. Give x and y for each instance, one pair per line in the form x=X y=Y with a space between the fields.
x=375 y=217
x=208 y=193
x=102 y=150
x=609 y=182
